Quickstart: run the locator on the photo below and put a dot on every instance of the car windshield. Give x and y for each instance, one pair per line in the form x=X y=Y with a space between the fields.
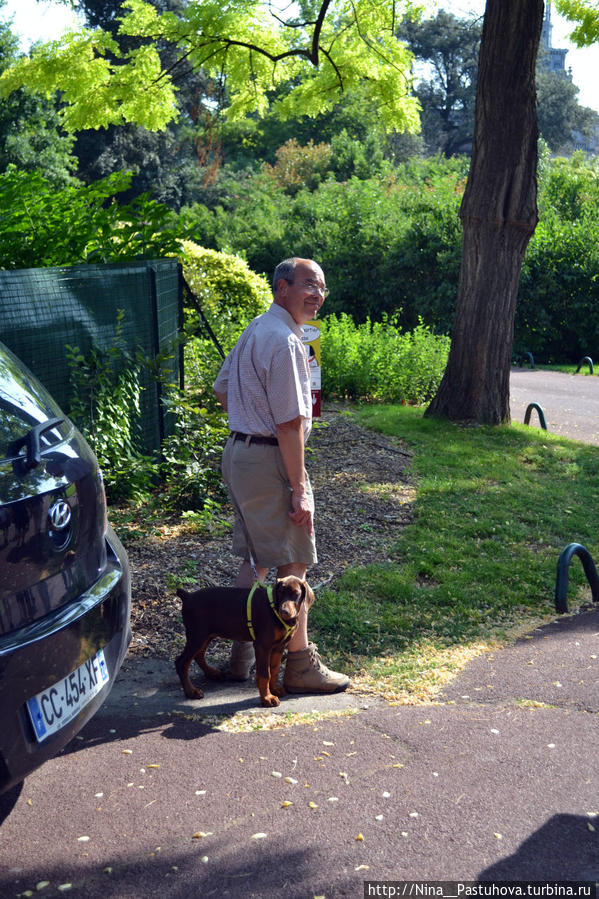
x=23 y=403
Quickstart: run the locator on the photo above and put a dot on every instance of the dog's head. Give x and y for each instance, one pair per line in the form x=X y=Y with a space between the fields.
x=290 y=593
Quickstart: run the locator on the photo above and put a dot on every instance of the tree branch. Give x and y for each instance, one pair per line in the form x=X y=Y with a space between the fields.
x=327 y=55
x=318 y=30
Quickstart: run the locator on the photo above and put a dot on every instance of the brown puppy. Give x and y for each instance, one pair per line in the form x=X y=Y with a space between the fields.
x=224 y=612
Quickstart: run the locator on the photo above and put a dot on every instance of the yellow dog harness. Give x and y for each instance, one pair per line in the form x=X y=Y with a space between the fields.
x=289 y=628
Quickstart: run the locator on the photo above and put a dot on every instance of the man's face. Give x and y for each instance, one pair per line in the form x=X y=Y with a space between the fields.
x=305 y=296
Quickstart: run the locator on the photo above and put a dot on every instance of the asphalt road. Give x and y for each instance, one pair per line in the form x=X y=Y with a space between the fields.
x=498 y=780
x=570 y=403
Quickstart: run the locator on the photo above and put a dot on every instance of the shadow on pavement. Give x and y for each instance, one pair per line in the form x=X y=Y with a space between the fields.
x=8 y=801
x=563 y=849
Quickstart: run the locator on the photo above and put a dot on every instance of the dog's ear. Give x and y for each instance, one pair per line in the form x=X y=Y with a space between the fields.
x=182 y=594
x=307 y=594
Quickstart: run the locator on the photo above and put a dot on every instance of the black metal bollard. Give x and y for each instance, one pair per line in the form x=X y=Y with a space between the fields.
x=589 y=362
x=563 y=567
x=539 y=409
x=520 y=361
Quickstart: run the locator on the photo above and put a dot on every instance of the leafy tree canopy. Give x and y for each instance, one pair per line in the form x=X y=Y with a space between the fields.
x=558 y=111
x=243 y=45
x=30 y=137
x=585 y=13
x=449 y=46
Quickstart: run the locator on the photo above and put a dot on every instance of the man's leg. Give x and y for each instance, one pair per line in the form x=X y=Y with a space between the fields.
x=304 y=669
x=245 y=575
x=242 y=654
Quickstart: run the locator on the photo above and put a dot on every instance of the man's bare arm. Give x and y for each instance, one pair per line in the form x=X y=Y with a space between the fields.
x=222 y=398
x=290 y=435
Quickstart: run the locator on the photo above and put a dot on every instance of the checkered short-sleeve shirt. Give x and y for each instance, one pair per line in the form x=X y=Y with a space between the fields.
x=266 y=376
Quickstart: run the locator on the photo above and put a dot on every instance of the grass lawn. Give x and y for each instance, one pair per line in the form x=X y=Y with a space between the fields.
x=477 y=566
x=571 y=369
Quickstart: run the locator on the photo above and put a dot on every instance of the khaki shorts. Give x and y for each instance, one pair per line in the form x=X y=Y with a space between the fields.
x=261 y=495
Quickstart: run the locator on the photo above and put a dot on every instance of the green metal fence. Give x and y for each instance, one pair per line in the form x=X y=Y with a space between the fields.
x=42 y=310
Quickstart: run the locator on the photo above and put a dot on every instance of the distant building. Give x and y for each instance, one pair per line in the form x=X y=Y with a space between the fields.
x=590 y=144
x=551 y=59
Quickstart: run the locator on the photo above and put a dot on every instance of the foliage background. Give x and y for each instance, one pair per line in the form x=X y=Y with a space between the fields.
x=233 y=197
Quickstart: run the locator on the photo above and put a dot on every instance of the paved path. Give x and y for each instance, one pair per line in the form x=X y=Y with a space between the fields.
x=498 y=780
x=570 y=402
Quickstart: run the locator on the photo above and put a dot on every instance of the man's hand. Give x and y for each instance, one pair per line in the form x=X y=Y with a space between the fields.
x=302 y=512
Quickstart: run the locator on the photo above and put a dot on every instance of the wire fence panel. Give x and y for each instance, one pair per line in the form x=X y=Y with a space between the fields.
x=43 y=310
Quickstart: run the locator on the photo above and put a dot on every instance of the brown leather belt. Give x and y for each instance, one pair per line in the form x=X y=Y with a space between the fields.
x=254 y=438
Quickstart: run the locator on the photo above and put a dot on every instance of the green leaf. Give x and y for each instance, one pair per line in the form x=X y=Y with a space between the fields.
x=243 y=46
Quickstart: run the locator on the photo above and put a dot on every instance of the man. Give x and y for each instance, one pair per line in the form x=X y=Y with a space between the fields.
x=264 y=385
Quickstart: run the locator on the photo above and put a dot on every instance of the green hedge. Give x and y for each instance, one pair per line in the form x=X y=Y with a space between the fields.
x=391 y=244
x=557 y=317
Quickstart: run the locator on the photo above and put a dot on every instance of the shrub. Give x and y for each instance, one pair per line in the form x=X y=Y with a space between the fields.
x=228 y=292
x=557 y=316
x=192 y=454
x=391 y=243
x=376 y=361
x=298 y=166
x=105 y=394
x=44 y=225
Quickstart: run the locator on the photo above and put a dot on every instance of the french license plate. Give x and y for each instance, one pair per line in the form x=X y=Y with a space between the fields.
x=53 y=708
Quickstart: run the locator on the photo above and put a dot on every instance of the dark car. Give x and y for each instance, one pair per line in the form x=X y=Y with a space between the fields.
x=65 y=591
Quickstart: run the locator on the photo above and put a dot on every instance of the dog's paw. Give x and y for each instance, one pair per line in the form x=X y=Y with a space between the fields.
x=270 y=701
x=194 y=693
x=278 y=690
x=214 y=673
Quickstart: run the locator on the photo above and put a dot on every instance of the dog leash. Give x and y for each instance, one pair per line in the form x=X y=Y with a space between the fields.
x=289 y=628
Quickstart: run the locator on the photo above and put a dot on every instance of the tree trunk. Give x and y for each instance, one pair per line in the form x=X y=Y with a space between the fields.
x=499 y=216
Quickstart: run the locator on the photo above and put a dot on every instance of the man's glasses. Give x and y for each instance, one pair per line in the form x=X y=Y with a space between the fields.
x=312 y=287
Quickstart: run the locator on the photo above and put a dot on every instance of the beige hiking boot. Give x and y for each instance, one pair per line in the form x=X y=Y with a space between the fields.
x=242 y=659
x=306 y=673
